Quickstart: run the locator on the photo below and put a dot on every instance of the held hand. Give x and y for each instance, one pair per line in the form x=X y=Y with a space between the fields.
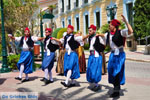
x=53 y=38
x=97 y=35
x=76 y=35
x=10 y=35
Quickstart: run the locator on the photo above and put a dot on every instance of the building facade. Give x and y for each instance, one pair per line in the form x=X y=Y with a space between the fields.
x=82 y=13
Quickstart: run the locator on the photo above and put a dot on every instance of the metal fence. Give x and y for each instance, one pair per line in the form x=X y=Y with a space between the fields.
x=145 y=41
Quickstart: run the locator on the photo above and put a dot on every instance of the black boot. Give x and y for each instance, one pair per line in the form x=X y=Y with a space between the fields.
x=42 y=79
x=25 y=80
x=115 y=94
x=46 y=81
x=64 y=84
x=18 y=78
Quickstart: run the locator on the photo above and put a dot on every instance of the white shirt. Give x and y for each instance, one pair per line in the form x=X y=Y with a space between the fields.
x=101 y=40
x=67 y=47
x=124 y=33
x=25 y=46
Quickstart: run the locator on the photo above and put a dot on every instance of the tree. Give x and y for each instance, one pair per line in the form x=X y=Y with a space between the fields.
x=141 y=18
x=17 y=14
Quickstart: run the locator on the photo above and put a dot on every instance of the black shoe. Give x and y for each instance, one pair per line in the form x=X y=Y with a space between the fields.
x=96 y=88
x=115 y=94
x=51 y=81
x=64 y=84
x=18 y=78
x=25 y=80
x=42 y=79
x=46 y=81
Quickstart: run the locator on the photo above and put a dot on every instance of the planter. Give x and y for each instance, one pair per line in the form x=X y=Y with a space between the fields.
x=147 y=50
x=36 y=49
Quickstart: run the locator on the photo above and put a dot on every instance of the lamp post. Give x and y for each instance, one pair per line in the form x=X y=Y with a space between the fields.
x=45 y=16
x=4 y=50
x=111 y=10
x=41 y=29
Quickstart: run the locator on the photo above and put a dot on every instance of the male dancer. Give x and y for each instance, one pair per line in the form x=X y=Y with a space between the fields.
x=94 y=69
x=50 y=47
x=25 y=62
x=71 y=63
x=116 y=65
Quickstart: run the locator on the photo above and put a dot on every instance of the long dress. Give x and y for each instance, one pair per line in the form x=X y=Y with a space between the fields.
x=104 y=67
x=60 y=63
x=82 y=60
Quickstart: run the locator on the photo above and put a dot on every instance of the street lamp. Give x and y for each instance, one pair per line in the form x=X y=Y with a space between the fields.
x=45 y=16
x=41 y=29
x=111 y=10
x=4 y=50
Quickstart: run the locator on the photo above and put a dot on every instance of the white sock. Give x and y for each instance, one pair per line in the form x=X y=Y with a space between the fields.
x=46 y=73
x=50 y=76
x=21 y=70
x=68 y=76
x=27 y=76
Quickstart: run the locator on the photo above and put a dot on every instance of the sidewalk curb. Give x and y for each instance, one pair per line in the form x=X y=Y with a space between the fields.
x=138 y=60
x=130 y=59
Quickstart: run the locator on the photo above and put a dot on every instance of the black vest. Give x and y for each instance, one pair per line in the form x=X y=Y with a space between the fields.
x=52 y=47
x=30 y=42
x=73 y=44
x=65 y=39
x=98 y=46
x=89 y=39
x=117 y=38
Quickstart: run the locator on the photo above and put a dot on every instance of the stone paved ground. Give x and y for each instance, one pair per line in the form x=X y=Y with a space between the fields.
x=136 y=88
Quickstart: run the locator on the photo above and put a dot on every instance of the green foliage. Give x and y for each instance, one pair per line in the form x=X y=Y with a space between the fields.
x=52 y=6
x=104 y=28
x=17 y=14
x=148 y=27
x=0 y=49
x=41 y=14
x=12 y=61
x=141 y=18
x=60 y=33
x=107 y=49
x=37 y=66
x=86 y=46
x=54 y=34
x=74 y=32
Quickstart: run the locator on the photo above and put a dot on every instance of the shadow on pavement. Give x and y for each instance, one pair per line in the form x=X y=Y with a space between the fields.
x=61 y=94
x=30 y=79
x=110 y=91
x=2 y=80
